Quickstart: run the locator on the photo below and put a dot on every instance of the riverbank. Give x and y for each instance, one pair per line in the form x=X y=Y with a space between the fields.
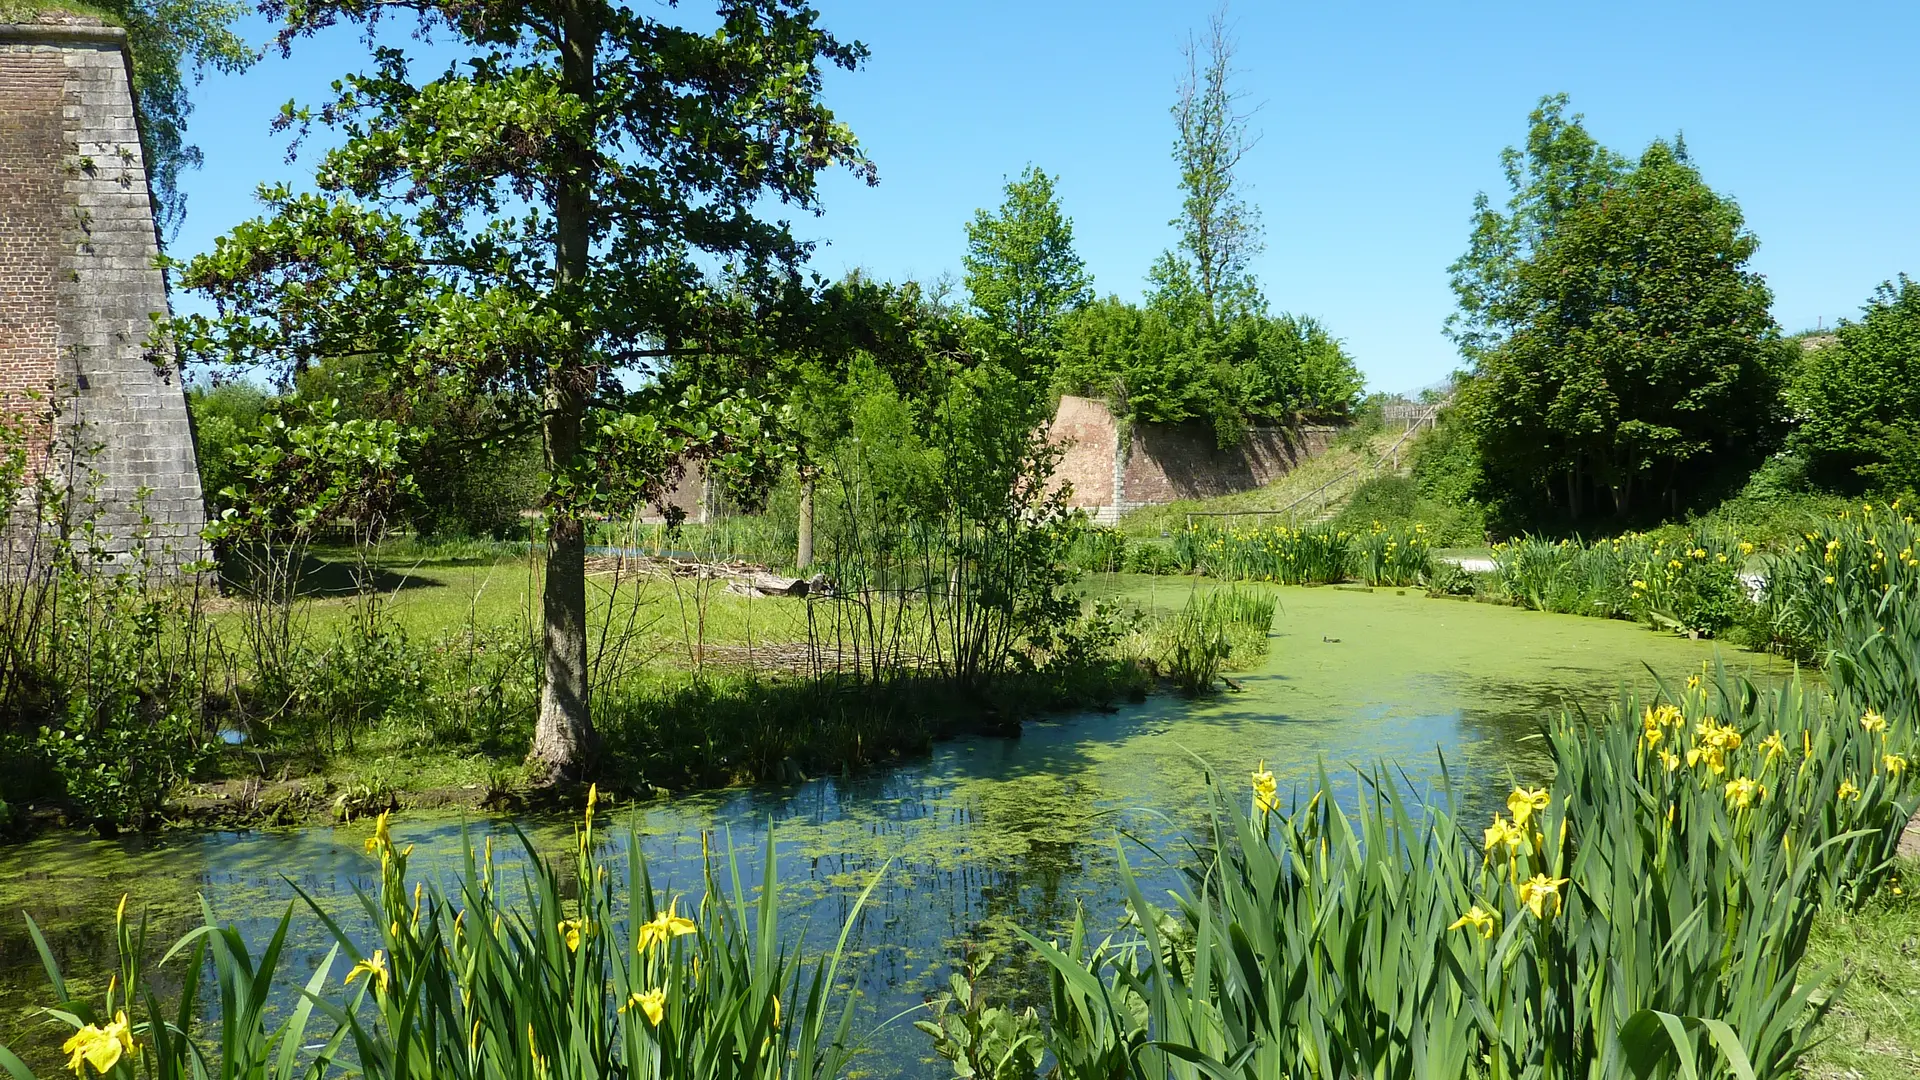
x=976 y=836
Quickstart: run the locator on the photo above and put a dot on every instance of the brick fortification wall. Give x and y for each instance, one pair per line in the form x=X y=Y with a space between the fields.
x=78 y=287
x=1162 y=463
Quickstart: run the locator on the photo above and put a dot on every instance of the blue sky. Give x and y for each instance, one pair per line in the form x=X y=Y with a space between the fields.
x=1378 y=124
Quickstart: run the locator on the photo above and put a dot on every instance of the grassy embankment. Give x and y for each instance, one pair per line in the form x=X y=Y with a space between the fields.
x=696 y=685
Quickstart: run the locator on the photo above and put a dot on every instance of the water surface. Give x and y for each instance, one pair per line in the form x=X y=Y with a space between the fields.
x=983 y=835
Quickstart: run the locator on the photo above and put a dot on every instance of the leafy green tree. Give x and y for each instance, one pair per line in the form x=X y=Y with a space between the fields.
x=1219 y=231
x=1023 y=276
x=563 y=211
x=172 y=42
x=1630 y=355
x=1858 y=399
x=1562 y=168
x=224 y=417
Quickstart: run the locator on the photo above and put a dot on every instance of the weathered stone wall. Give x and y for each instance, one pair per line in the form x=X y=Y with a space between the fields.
x=1168 y=462
x=1157 y=464
x=79 y=288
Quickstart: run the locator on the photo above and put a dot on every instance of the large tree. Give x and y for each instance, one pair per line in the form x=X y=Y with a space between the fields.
x=561 y=211
x=1857 y=398
x=1623 y=354
x=1023 y=276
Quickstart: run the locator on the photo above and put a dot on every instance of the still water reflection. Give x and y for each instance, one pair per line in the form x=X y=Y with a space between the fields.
x=984 y=835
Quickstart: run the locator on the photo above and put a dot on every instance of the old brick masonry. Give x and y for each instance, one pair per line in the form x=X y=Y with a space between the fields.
x=78 y=288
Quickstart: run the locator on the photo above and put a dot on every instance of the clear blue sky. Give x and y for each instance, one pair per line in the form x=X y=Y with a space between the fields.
x=1379 y=123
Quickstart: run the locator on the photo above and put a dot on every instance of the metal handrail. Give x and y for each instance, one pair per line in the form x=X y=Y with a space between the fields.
x=1392 y=452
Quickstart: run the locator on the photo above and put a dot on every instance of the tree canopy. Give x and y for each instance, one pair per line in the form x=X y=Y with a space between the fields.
x=1857 y=399
x=566 y=209
x=1622 y=352
x=1023 y=276
x=172 y=42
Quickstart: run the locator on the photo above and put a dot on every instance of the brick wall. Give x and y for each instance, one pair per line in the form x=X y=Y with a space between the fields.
x=32 y=90
x=1161 y=463
x=123 y=437
x=1184 y=461
x=1088 y=438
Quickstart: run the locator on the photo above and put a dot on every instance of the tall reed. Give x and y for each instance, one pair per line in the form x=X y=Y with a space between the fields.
x=574 y=970
x=1647 y=915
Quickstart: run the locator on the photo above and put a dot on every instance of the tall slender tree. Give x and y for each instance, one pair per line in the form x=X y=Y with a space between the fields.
x=565 y=208
x=1219 y=230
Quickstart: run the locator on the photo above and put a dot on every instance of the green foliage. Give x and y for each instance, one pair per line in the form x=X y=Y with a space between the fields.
x=1446 y=463
x=1636 y=918
x=1023 y=275
x=172 y=42
x=1621 y=350
x=1276 y=553
x=982 y=1041
x=1197 y=647
x=1843 y=579
x=1395 y=556
x=1690 y=583
x=577 y=971
x=1219 y=231
x=1857 y=398
x=1168 y=363
x=225 y=418
x=528 y=223
x=294 y=478
x=103 y=661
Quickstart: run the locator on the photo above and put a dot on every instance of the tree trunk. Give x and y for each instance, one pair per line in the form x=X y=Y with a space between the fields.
x=563 y=735
x=804 y=557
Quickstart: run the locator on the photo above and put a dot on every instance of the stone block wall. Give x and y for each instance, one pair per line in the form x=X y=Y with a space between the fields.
x=79 y=288
x=1162 y=463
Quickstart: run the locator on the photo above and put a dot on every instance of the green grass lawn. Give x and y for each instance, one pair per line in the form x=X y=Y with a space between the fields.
x=1874 y=1032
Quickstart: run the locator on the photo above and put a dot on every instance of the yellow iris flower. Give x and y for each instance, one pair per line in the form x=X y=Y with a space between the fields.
x=382 y=838
x=1774 y=745
x=663 y=928
x=1479 y=919
x=1540 y=891
x=1849 y=791
x=1505 y=832
x=1266 y=791
x=1894 y=763
x=100 y=1047
x=1873 y=721
x=651 y=1002
x=1743 y=792
x=374 y=968
x=1524 y=802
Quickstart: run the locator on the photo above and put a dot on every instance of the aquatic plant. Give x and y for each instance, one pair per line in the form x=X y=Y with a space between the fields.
x=1394 y=556
x=1276 y=553
x=1838 y=583
x=578 y=971
x=1647 y=915
x=1691 y=585
x=1213 y=626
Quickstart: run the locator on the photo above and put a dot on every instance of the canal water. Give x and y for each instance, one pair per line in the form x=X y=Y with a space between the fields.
x=982 y=836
